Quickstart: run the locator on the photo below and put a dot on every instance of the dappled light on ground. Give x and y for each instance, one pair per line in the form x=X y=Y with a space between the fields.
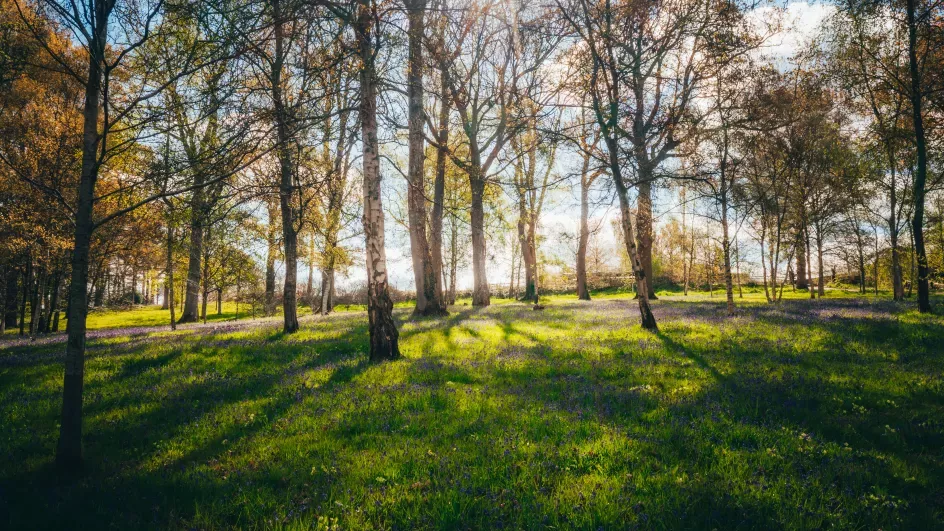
x=807 y=414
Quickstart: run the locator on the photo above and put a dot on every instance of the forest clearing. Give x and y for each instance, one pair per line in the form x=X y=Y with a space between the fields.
x=823 y=414
x=472 y=264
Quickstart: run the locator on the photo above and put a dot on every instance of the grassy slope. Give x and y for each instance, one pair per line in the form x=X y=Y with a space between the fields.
x=803 y=415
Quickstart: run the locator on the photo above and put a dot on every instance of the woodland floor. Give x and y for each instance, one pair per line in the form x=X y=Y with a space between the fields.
x=803 y=415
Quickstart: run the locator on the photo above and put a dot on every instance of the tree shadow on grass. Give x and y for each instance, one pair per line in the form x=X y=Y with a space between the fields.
x=156 y=420
x=677 y=436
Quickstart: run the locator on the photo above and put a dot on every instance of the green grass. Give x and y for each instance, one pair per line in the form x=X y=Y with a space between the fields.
x=803 y=415
x=155 y=316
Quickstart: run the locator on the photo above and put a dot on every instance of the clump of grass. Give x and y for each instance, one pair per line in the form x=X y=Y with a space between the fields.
x=796 y=415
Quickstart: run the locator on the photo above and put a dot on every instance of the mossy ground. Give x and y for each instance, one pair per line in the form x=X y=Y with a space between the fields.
x=802 y=415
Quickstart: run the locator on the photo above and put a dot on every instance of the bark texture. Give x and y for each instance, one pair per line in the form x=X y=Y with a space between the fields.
x=285 y=141
x=69 y=446
x=921 y=171
x=427 y=281
x=384 y=335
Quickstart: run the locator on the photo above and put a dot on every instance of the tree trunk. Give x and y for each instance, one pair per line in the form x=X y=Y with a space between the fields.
x=271 y=254
x=725 y=238
x=99 y=290
x=69 y=447
x=911 y=269
x=169 y=281
x=685 y=266
x=424 y=274
x=809 y=264
x=9 y=301
x=644 y=228
x=860 y=247
x=310 y=285
x=439 y=193
x=39 y=289
x=528 y=255
x=898 y=288
x=583 y=293
x=54 y=298
x=453 y=259
x=189 y=314
x=821 y=280
x=383 y=330
x=205 y=284
x=327 y=290
x=27 y=281
x=480 y=292
x=287 y=178
x=921 y=172
x=763 y=264
x=800 y=278
x=737 y=265
x=647 y=318
x=876 y=260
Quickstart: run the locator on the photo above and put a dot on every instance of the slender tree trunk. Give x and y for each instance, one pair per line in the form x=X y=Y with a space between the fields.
x=169 y=281
x=454 y=260
x=424 y=274
x=205 y=283
x=310 y=286
x=39 y=289
x=861 y=271
x=99 y=287
x=821 y=281
x=134 y=286
x=54 y=299
x=725 y=238
x=583 y=293
x=271 y=254
x=527 y=250
x=876 y=260
x=685 y=264
x=69 y=447
x=921 y=172
x=737 y=265
x=774 y=256
x=439 y=193
x=709 y=267
x=532 y=249
x=809 y=258
x=27 y=281
x=9 y=302
x=287 y=177
x=898 y=288
x=691 y=256
x=911 y=270
x=511 y=281
x=383 y=330
x=763 y=264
